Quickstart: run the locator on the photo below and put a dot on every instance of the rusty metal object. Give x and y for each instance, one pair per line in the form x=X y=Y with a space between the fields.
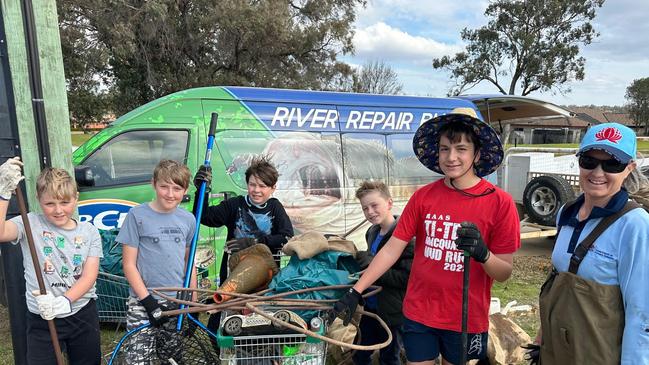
x=250 y=269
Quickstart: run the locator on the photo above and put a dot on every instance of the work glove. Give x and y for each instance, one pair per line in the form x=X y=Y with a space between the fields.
x=10 y=176
x=364 y=258
x=533 y=353
x=204 y=174
x=470 y=240
x=154 y=311
x=346 y=306
x=50 y=306
x=237 y=245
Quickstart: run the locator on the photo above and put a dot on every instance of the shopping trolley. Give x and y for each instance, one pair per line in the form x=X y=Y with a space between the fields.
x=272 y=348
x=112 y=296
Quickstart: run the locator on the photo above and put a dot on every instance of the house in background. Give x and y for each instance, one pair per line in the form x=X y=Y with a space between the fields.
x=560 y=129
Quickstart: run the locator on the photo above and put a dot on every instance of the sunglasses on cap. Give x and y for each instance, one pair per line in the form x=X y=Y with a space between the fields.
x=612 y=166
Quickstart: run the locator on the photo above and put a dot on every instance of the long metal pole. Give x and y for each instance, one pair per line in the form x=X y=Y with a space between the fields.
x=465 y=307
x=37 y=270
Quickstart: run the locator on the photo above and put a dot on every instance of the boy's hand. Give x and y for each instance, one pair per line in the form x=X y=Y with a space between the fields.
x=240 y=244
x=204 y=174
x=346 y=306
x=533 y=353
x=10 y=176
x=470 y=240
x=154 y=311
x=50 y=306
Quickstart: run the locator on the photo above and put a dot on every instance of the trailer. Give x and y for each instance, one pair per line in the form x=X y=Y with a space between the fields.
x=541 y=180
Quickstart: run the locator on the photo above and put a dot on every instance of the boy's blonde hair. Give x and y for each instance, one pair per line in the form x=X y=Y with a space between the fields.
x=370 y=186
x=56 y=183
x=172 y=171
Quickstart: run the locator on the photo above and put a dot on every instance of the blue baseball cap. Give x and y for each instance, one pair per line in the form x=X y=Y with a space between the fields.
x=613 y=138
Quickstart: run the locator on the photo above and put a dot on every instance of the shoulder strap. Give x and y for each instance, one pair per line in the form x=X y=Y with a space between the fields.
x=582 y=249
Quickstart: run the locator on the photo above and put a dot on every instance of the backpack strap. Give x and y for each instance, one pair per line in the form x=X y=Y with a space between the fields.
x=582 y=249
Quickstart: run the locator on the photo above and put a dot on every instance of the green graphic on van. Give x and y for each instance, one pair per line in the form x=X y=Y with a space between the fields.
x=323 y=144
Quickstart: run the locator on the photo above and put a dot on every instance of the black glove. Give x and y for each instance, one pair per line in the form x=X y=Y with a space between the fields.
x=533 y=353
x=346 y=306
x=240 y=244
x=469 y=239
x=154 y=311
x=364 y=258
x=204 y=174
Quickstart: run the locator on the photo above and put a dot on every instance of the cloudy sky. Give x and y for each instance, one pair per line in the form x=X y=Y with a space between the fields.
x=408 y=34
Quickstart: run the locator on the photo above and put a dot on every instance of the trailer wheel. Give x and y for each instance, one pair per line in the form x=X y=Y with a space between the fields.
x=543 y=196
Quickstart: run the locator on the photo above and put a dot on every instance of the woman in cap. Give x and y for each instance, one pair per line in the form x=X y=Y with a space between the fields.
x=595 y=304
x=461 y=212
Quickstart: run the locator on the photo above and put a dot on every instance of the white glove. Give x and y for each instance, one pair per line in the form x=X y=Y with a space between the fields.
x=10 y=176
x=51 y=306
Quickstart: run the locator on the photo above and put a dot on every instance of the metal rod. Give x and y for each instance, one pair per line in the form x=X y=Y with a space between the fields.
x=465 y=307
x=37 y=270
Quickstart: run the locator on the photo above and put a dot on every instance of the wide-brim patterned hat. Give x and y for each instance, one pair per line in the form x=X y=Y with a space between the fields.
x=426 y=141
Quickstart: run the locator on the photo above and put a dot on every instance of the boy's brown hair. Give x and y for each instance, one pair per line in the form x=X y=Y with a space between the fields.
x=172 y=171
x=57 y=183
x=367 y=187
x=261 y=167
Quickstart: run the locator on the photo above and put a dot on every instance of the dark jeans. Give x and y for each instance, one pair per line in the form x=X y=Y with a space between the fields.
x=371 y=334
x=78 y=335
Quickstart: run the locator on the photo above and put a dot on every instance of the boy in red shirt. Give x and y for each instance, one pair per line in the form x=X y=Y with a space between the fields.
x=461 y=212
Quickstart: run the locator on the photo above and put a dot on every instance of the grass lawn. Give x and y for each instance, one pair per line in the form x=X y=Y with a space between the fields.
x=643 y=146
x=79 y=138
x=523 y=287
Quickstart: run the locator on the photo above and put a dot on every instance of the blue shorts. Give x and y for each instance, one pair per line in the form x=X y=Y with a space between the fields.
x=423 y=343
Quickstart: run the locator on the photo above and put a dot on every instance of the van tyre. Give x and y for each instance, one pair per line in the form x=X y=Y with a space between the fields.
x=543 y=196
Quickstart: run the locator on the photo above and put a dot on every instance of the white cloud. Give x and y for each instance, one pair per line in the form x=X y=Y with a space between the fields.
x=408 y=34
x=381 y=41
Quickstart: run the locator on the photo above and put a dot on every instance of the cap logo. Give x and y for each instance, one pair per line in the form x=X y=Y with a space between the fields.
x=610 y=134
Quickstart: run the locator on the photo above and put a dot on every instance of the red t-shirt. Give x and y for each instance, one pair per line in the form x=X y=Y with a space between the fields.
x=433 y=214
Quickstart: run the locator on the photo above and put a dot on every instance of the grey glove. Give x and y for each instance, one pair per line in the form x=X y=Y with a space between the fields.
x=10 y=176
x=240 y=244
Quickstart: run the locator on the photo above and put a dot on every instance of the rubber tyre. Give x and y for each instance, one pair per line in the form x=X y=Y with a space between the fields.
x=281 y=315
x=543 y=196
x=232 y=326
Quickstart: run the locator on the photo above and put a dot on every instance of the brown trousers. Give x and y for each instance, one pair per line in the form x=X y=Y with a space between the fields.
x=581 y=321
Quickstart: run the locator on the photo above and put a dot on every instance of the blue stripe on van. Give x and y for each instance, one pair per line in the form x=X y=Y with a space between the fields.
x=316 y=111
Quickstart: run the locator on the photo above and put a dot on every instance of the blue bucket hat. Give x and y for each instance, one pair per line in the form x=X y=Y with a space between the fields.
x=426 y=141
x=615 y=139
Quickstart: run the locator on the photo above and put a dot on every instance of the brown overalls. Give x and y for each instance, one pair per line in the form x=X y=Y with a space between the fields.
x=582 y=321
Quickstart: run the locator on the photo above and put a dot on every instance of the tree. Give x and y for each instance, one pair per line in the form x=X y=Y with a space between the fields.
x=83 y=60
x=376 y=77
x=638 y=107
x=156 y=47
x=533 y=44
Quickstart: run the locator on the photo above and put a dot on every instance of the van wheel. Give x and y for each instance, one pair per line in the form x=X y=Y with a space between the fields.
x=543 y=196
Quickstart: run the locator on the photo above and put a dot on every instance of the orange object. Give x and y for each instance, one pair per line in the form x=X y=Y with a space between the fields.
x=251 y=270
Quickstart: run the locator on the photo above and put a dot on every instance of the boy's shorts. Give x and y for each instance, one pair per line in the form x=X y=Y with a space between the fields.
x=423 y=343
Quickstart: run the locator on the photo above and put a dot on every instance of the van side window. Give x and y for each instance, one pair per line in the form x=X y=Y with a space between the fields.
x=309 y=163
x=406 y=172
x=365 y=157
x=130 y=157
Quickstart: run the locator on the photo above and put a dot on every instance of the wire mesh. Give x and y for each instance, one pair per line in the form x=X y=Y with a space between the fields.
x=112 y=295
x=164 y=345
